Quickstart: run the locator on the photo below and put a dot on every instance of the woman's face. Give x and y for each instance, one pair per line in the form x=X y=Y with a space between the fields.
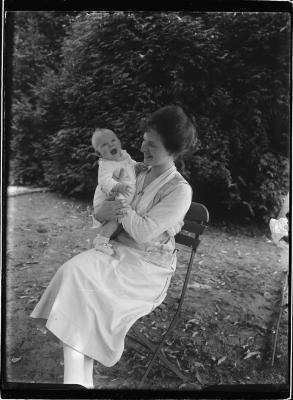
x=153 y=150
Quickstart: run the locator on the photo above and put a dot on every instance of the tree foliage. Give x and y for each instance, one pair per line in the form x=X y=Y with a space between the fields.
x=36 y=59
x=228 y=70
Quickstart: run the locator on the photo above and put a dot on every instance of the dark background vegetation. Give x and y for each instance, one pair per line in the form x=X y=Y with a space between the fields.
x=73 y=71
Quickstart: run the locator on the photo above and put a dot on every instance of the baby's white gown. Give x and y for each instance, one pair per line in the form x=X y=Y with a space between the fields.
x=94 y=299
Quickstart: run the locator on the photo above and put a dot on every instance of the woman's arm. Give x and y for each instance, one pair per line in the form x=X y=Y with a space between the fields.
x=163 y=216
x=109 y=210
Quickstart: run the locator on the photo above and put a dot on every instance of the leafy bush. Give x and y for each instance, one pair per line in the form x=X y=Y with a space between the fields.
x=36 y=51
x=73 y=164
x=252 y=112
x=119 y=68
x=229 y=70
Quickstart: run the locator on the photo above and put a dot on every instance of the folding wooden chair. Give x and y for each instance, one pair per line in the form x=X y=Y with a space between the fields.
x=195 y=223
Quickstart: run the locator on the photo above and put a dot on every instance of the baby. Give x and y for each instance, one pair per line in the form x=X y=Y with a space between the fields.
x=116 y=175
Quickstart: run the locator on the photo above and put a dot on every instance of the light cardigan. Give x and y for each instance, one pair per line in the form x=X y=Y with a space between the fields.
x=156 y=215
x=150 y=215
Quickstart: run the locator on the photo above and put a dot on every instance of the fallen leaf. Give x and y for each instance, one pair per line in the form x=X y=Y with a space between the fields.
x=102 y=376
x=222 y=359
x=198 y=377
x=43 y=330
x=194 y=321
x=183 y=385
x=198 y=364
x=15 y=359
x=32 y=300
x=251 y=354
x=42 y=230
x=196 y=285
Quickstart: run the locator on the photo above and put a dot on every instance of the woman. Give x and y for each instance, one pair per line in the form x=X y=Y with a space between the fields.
x=94 y=298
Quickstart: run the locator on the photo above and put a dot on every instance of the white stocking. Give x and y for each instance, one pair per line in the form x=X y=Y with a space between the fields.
x=88 y=371
x=73 y=366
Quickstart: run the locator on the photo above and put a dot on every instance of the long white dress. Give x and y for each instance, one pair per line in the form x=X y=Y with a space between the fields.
x=94 y=299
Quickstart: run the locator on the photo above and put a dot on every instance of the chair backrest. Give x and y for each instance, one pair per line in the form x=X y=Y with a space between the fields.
x=195 y=223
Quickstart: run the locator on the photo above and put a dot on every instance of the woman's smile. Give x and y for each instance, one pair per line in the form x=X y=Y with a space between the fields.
x=147 y=156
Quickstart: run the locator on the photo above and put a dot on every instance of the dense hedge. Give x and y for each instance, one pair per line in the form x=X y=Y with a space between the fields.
x=35 y=43
x=230 y=71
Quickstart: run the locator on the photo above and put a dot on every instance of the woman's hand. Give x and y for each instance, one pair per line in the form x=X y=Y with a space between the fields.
x=122 y=189
x=140 y=167
x=109 y=210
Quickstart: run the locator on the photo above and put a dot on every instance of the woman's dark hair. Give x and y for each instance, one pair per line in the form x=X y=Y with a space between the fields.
x=175 y=128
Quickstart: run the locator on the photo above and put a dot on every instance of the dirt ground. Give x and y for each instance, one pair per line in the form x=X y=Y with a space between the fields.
x=227 y=327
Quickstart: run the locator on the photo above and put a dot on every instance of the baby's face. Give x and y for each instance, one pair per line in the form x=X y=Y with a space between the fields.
x=108 y=145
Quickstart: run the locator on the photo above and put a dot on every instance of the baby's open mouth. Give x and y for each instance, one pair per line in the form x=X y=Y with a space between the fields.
x=113 y=151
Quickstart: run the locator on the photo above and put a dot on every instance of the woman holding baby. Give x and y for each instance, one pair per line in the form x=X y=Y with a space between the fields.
x=95 y=297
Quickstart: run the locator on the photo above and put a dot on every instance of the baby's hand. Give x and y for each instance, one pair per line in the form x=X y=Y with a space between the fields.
x=140 y=167
x=123 y=175
x=122 y=189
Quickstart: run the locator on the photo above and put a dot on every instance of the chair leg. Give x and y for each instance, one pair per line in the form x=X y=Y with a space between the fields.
x=170 y=328
x=158 y=353
x=162 y=359
x=171 y=367
x=279 y=318
x=141 y=339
